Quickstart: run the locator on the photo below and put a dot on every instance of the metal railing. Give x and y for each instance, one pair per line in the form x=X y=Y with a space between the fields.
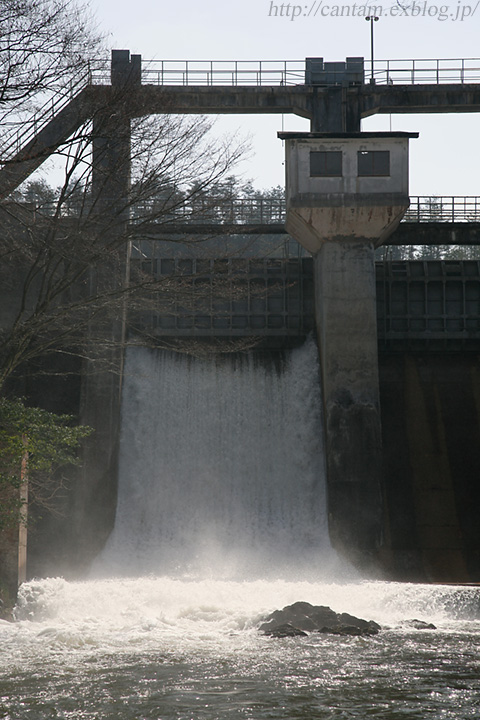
x=21 y=133
x=424 y=72
x=245 y=73
x=445 y=208
x=265 y=211
x=214 y=210
x=271 y=211
x=259 y=73
x=224 y=72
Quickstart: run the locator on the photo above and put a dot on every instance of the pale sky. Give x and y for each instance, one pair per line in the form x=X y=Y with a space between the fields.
x=444 y=159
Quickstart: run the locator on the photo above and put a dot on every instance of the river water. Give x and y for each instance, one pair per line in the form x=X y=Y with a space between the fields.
x=220 y=520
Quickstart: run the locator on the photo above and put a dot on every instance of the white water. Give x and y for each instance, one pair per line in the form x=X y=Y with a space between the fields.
x=221 y=519
x=185 y=609
x=221 y=469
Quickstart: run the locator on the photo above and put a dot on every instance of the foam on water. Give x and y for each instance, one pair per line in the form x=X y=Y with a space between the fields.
x=175 y=604
x=164 y=647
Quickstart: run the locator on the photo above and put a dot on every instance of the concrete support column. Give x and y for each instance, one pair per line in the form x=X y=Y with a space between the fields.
x=345 y=195
x=102 y=373
x=347 y=337
x=335 y=109
x=111 y=168
x=334 y=104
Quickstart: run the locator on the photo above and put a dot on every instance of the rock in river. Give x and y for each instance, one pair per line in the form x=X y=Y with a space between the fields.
x=304 y=617
x=280 y=631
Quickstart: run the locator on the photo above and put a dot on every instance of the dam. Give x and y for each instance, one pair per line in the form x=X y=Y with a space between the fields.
x=428 y=341
x=402 y=407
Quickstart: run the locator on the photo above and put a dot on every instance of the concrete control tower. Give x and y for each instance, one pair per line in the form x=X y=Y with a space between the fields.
x=346 y=193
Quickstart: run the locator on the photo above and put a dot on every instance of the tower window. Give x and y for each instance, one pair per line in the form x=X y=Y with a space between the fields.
x=373 y=163
x=326 y=163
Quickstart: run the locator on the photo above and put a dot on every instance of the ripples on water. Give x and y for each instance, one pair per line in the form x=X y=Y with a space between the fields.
x=166 y=648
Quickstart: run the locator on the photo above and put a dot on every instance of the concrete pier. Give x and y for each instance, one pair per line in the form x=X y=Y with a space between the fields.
x=345 y=194
x=95 y=499
x=345 y=311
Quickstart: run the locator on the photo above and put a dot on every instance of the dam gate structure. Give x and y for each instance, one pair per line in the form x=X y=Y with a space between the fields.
x=426 y=313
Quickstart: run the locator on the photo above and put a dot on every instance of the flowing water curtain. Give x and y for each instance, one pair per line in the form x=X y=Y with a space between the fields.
x=221 y=466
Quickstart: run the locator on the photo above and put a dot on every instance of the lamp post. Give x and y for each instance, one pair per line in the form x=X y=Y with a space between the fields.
x=371 y=19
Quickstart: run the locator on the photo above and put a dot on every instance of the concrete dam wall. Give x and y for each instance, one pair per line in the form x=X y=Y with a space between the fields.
x=431 y=439
x=430 y=417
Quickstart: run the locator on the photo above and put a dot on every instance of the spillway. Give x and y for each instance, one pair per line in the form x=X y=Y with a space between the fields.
x=221 y=467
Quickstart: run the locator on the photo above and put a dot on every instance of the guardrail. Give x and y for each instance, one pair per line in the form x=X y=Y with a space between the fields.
x=21 y=132
x=212 y=210
x=239 y=73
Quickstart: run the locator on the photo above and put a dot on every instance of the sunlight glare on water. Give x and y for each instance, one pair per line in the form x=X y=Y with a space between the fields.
x=221 y=519
x=171 y=648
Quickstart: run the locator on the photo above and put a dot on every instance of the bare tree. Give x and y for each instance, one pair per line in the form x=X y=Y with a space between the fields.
x=44 y=45
x=64 y=261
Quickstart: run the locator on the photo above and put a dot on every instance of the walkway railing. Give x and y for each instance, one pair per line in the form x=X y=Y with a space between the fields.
x=292 y=72
x=224 y=72
x=212 y=210
x=271 y=211
x=21 y=133
x=445 y=208
x=424 y=72
x=265 y=211
x=240 y=73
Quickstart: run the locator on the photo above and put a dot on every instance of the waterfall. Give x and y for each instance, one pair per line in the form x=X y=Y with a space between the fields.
x=221 y=468
x=220 y=521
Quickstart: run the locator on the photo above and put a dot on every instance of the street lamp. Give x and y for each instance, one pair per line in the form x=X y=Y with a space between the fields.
x=371 y=19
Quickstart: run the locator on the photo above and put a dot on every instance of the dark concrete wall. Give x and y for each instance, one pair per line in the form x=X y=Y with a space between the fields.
x=430 y=407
